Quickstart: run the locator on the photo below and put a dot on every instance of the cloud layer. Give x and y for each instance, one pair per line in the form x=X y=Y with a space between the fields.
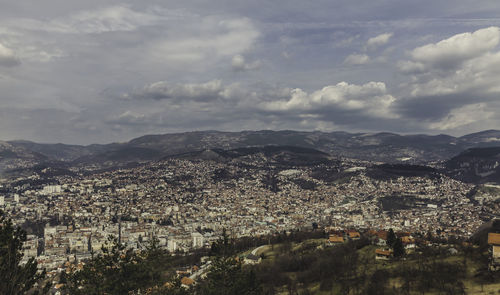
x=101 y=71
x=7 y=57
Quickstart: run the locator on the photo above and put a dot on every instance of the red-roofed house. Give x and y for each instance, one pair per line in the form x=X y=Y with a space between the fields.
x=335 y=239
x=383 y=254
x=382 y=237
x=353 y=235
x=408 y=242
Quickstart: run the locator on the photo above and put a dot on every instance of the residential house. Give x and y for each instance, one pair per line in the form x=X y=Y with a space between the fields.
x=408 y=242
x=187 y=282
x=335 y=239
x=382 y=237
x=494 y=242
x=383 y=254
x=353 y=235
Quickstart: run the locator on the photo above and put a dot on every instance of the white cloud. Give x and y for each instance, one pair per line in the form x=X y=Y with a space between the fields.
x=130 y=117
x=453 y=51
x=378 y=40
x=36 y=54
x=463 y=116
x=463 y=63
x=453 y=84
x=110 y=19
x=7 y=57
x=329 y=105
x=357 y=59
x=220 y=38
x=370 y=99
x=107 y=19
x=191 y=91
x=239 y=64
x=411 y=67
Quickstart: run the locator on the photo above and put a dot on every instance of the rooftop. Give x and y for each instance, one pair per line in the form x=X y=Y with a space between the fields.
x=493 y=239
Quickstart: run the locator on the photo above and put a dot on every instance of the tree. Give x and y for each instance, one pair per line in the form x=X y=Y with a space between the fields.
x=398 y=248
x=227 y=275
x=377 y=284
x=391 y=238
x=14 y=277
x=119 y=271
x=172 y=287
x=63 y=278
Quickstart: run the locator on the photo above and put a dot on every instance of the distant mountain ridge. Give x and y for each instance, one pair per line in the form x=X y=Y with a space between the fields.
x=13 y=156
x=476 y=165
x=276 y=155
x=378 y=147
x=471 y=158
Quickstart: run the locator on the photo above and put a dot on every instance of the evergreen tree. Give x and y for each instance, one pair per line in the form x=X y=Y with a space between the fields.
x=391 y=238
x=14 y=277
x=398 y=248
x=173 y=287
x=227 y=275
x=119 y=271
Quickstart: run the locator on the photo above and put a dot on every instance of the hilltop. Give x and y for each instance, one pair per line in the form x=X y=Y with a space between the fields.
x=382 y=147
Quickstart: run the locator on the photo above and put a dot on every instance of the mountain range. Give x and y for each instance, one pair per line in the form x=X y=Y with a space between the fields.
x=376 y=147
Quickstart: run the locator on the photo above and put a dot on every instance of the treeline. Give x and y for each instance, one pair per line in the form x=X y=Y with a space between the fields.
x=297 y=269
x=16 y=277
x=123 y=271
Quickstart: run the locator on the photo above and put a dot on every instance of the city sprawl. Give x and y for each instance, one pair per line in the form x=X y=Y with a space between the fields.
x=186 y=204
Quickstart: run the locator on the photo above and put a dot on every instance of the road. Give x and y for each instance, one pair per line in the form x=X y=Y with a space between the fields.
x=256 y=250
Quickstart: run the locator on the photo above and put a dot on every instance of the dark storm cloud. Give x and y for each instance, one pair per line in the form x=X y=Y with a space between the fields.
x=432 y=107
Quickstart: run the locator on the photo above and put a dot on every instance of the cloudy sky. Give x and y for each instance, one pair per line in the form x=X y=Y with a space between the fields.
x=99 y=71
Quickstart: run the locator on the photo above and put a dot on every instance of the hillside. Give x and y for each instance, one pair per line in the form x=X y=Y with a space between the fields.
x=384 y=147
x=268 y=155
x=14 y=157
x=476 y=165
x=376 y=147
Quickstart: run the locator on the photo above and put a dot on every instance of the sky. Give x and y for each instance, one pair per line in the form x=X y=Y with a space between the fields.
x=83 y=72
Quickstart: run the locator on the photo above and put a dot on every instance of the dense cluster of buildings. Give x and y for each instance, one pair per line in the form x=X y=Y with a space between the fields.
x=185 y=204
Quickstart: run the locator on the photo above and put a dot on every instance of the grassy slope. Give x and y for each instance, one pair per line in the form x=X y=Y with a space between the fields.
x=367 y=254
